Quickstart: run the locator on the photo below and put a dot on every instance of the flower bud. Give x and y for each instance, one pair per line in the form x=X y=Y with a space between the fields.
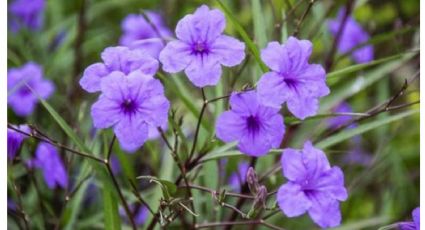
x=252 y=181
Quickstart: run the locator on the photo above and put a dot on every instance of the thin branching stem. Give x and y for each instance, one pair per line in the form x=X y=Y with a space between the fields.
x=107 y=163
x=233 y=223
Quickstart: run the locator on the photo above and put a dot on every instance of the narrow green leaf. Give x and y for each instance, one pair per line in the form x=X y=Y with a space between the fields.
x=251 y=46
x=346 y=134
x=358 y=67
x=169 y=187
x=110 y=210
x=65 y=127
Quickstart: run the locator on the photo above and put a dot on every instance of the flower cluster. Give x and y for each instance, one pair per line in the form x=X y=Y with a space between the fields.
x=352 y=35
x=25 y=85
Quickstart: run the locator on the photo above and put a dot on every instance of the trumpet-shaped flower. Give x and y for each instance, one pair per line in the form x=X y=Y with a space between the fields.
x=26 y=13
x=352 y=35
x=14 y=140
x=201 y=48
x=292 y=79
x=313 y=186
x=130 y=104
x=257 y=128
x=117 y=59
x=24 y=84
x=48 y=160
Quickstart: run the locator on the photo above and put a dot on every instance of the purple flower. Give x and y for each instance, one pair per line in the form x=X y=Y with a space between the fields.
x=313 y=186
x=352 y=35
x=256 y=128
x=20 y=81
x=292 y=79
x=14 y=140
x=26 y=13
x=238 y=178
x=201 y=48
x=117 y=59
x=412 y=225
x=48 y=160
x=140 y=214
x=130 y=104
x=140 y=34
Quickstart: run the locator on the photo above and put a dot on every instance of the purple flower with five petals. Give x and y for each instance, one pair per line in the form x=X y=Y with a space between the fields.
x=313 y=186
x=26 y=13
x=117 y=59
x=48 y=160
x=257 y=128
x=292 y=79
x=24 y=84
x=412 y=225
x=130 y=104
x=138 y=33
x=14 y=140
x=352 y=36
x=201 y=48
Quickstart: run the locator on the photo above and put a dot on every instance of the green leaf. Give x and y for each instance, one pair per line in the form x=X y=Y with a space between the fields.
x=251 y=46
x=110 y=210
x=362 y=224
x=351 y=86
x=346 y=134
x=65 y=127
x=358 y=67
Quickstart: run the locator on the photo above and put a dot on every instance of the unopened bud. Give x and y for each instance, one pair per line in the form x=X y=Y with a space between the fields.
x=252 y=181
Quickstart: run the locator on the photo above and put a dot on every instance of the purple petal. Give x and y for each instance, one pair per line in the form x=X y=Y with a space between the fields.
x=244 y=103
x=292 y=200
x=363 y=55
x=272 y=90
x=204 y=25
x=315 y=160
x=229 y=50
x=175 y=56
x=92 y=76
x=275 y=57
x=324 y=210
x=229 y=126
x=131 y=133
x=303 y=107
x=204 y=71
x=299 y=52
x=332 y=182
x=416 y=217
x=105 y=112
x=254 y=144
x=274 y=129
x=114 y=86
x=23 y=106
x=313 y=79
x=150 y=46
x=292 y=165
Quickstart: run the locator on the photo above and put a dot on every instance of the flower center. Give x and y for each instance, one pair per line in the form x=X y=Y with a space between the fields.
x=200 y=48
x=291 y=82
x=129 y=106
x=253 y=124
